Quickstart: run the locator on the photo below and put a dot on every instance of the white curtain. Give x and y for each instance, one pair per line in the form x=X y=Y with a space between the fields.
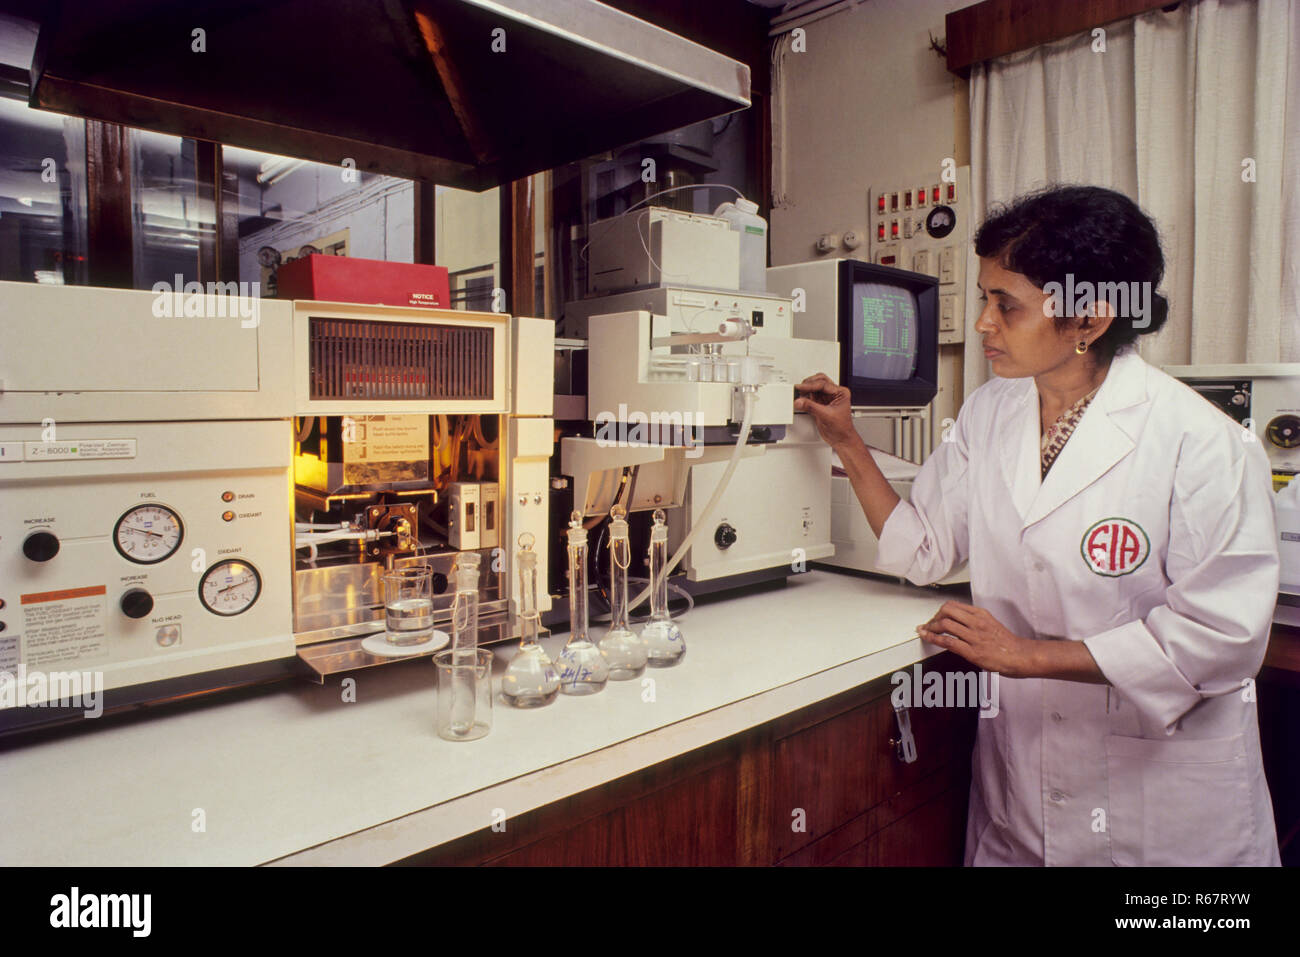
x=1177 y=110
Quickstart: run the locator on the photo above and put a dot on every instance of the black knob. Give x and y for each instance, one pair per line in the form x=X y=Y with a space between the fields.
x=41 y=546
x=137 y=603
x=725 y=536
x=440 y=583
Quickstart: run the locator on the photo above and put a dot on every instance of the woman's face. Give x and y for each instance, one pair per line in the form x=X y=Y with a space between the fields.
x=1020 y=336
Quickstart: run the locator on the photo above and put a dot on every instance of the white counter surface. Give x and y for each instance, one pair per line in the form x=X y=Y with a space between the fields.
x=293 y=774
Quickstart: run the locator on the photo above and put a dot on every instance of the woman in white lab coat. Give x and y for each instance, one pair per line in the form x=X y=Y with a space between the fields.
x=1123 y=558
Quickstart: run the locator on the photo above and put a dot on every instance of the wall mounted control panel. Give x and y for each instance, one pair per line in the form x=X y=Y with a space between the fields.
x=926 y=226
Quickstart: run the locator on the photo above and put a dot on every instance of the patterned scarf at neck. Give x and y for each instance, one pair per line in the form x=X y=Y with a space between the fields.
x=1058 y=433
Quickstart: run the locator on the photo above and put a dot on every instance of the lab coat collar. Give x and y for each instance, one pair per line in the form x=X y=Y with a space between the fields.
x=1105 y=434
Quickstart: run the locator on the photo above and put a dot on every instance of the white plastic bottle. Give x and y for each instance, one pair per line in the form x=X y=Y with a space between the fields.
x=743 y=216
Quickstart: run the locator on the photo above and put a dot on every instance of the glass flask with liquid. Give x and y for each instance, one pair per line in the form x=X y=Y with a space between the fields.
x=530 y=680
x=582 y=666
x=623 y=648
x=663 y=639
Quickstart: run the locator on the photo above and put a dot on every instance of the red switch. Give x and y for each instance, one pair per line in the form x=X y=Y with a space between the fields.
x=920 y=196
x=952 y=192
x=893 y=229
x=934 y=194
x=880 y=231
x=880 y=203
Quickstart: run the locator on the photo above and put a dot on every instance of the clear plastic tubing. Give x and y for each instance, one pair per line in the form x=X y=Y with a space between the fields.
x=582 y=667
x=746 y=421
x=624 y=649
x=464 y=643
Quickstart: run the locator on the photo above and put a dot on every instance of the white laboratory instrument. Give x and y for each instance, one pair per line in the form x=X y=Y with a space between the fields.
x=201 y=491
x=856 y=545
x=145 y=470
x=424 y=432
x=656 y=246
x=1265 y=399
x=671 y=371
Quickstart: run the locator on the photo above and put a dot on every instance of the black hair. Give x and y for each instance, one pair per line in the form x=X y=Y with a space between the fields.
x=1093 y=234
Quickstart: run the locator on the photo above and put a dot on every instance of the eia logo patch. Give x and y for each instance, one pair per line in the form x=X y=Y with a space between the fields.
x=1115 y=547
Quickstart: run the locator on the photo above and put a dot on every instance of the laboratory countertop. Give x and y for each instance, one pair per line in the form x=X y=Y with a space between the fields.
x=296 y=774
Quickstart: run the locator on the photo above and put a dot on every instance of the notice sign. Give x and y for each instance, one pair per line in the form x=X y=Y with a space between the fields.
x=62 y=627
x=79 y=449
x=386 y=438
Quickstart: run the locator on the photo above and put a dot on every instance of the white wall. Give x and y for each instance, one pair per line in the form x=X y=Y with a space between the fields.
x=867 y=103
x=378 y=212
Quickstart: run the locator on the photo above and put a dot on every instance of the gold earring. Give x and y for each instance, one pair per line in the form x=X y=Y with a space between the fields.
x=1082 y=347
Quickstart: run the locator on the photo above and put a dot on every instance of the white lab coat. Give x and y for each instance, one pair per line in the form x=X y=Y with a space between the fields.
x=1161 y=766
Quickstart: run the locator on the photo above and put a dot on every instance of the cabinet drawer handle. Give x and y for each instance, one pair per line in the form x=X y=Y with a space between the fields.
x=904 y=745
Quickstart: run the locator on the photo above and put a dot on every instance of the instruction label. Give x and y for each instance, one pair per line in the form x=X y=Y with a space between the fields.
x=388 y=438
x=79 y=449
x=61 y=627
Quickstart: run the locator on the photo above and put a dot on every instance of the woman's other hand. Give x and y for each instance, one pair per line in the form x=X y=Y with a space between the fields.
x=981 y=639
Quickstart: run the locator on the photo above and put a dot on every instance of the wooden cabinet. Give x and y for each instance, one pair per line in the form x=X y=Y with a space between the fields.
x=823 y=785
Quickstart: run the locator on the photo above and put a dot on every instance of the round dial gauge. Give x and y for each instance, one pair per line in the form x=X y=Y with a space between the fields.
x=148 y=533
x=1284 y=432
x=230 y=587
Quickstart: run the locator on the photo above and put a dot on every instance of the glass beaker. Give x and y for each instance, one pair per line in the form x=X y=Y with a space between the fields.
x=408 y=605
x=530 y=680
x=461 y=673
x=582 y=666
x=624 y=651
x=664 y=642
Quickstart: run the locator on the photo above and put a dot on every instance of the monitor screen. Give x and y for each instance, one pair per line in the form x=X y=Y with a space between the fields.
x=886 y=333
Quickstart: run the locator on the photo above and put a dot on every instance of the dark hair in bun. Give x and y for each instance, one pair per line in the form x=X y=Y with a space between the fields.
x=1084 y=237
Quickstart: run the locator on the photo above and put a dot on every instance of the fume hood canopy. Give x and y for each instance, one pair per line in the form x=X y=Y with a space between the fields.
x=466 y=93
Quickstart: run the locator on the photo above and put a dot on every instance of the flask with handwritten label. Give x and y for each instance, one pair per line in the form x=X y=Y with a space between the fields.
x=582 y=667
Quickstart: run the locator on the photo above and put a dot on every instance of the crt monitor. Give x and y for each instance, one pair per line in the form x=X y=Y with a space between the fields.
x=888 y=329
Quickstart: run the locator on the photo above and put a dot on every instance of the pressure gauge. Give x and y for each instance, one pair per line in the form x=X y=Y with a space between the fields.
x=147 y=534
x=230 y=587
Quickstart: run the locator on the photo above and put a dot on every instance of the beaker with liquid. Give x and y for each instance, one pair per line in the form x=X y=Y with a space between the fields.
x=408 y=605
x=665 y=645
x=530 y=680
x=623 y=648
x=582 y=667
